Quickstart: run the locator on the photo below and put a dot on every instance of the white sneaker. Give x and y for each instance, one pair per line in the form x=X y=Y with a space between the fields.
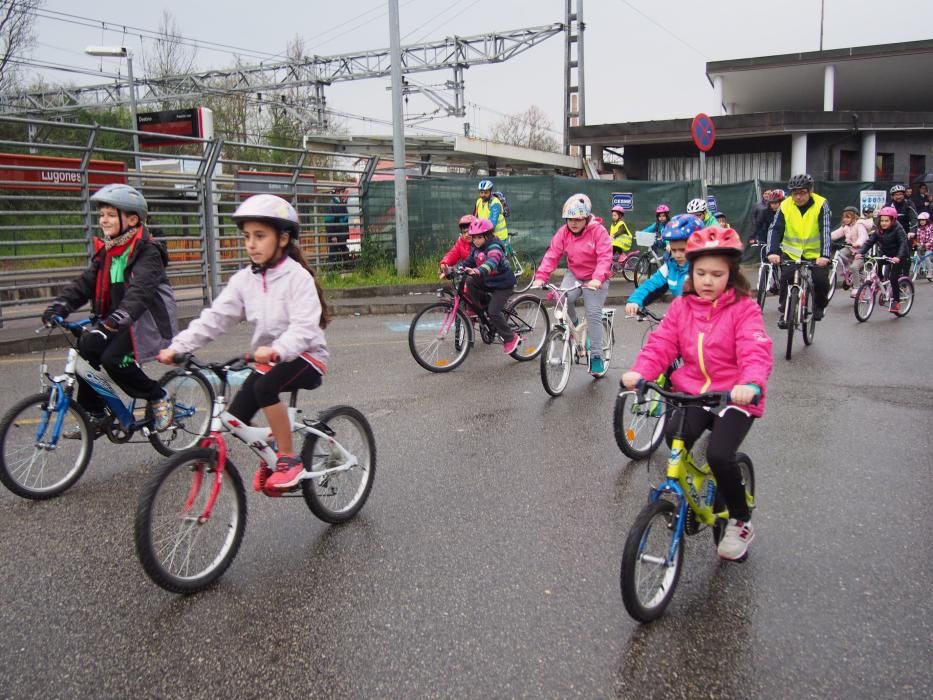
x=734 y=543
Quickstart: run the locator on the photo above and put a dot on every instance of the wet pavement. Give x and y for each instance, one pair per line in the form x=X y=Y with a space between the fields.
x=486 y=562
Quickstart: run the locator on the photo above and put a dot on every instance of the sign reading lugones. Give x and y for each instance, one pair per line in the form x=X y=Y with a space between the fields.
x=626 y=200
x=28 y=172
x=197 y=122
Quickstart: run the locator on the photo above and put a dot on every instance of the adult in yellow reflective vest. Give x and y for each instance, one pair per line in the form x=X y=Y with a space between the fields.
x=490 y=208
x=800 y=231
x=619 y=231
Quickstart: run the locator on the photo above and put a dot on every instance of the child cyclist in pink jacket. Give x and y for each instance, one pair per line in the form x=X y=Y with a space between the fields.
x=589 y=259
x=717 y=329
x=279 y=294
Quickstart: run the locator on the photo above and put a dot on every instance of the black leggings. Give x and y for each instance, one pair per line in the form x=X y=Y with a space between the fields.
x=728 y=431
x=893 y=272
x=498 y=298
x=262 y=390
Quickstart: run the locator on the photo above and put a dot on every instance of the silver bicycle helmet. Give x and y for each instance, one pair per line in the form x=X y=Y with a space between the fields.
x=123 y=198
x=696 y=206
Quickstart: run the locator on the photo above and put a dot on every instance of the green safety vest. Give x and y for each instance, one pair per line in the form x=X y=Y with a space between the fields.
x=802 y=231
x=482 y=212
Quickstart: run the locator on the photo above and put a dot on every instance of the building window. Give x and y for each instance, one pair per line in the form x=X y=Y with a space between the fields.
x=884 y=167
x=918 y=166
x=848 y=165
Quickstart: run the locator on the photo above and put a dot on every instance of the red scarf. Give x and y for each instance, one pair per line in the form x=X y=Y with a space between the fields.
x=102 y=290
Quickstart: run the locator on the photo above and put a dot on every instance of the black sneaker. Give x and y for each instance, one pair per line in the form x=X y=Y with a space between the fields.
x=98 y=422
x=782 y=324
x=817 y=314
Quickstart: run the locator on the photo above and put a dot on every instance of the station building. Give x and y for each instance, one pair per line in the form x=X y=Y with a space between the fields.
x=857 y=114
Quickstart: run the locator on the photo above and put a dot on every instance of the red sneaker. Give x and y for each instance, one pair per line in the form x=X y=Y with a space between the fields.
x=288 y=471
x=510 y=345
x=895 y=308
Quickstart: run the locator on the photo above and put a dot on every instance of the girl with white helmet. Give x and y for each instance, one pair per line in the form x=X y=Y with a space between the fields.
x=588 y=247
x=133 y=300
x=280 y=295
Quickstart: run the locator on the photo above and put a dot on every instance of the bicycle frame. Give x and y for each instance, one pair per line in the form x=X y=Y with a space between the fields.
x=256 y=439
x=800 y=286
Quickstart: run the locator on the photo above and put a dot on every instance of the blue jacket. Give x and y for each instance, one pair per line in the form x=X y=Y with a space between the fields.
x=670 y=273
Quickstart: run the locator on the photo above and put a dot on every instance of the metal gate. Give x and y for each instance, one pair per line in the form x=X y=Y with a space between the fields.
x=48 y=171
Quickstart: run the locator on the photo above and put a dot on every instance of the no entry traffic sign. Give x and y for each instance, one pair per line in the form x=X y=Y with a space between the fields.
x=703 y=131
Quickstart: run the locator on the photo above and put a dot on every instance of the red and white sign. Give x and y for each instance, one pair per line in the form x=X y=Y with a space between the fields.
x=26 y=172
x=197 y=122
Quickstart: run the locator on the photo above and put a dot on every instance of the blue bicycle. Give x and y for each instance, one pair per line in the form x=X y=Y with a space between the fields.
x=46 y=439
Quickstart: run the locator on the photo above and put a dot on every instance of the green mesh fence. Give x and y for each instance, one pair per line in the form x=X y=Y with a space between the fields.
x=435 y=205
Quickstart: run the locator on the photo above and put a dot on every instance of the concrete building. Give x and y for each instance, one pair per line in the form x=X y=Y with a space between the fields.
x=860 y=114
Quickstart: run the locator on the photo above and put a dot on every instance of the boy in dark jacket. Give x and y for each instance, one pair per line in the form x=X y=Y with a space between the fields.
x=132 y=300
x=892 y=240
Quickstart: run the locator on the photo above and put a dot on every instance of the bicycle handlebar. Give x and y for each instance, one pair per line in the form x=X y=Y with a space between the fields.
x=644 y=314
x=710 y=399
x=234 y=364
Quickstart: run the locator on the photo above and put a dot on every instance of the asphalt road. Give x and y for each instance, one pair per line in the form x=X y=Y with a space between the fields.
x=486 y=562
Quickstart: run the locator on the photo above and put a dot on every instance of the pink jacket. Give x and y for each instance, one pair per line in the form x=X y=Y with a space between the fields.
x=855 y=234
x=459 y=252
x=722 y=344
x=589 y=255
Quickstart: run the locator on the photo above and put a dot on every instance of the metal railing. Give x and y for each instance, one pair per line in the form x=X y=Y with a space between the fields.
x=49 y=170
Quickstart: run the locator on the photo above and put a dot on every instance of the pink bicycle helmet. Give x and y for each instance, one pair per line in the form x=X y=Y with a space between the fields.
x=480 y=227
x=466 y=220
x=619 y=209
x=888 y=211
x=662 y=209
x=270 y=209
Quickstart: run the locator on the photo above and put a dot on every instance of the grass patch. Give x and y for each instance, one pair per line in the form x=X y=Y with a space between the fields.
x=421 y=271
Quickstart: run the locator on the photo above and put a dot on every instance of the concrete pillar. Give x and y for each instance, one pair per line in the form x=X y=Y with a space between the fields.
x=717 y=93
x=829 y=87
x=798 y=154
x=869 y=154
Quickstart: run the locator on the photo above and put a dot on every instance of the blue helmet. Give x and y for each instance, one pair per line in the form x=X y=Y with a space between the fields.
x=680 y=227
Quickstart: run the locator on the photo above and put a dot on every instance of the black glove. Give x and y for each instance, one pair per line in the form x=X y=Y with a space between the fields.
x=91 y=345
x=117 y=320
x=54 y=309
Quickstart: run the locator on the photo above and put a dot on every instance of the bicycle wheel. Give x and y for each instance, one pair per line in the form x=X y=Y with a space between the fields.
x=651 y=563
x=556 y=361
x=36 y=462
x=808 y=321
x=528 y=317
x=629 y=268
x=524 y=268
x=914 y=268
x=907 y=296
x=638 y=427
x=336 y=497
x=178 y=549
x=646 y=268
x=435 y=342
x=747 y=472
x=194 y=401
x=791 y=316
x=762 y=293
x=864 y=302
x=609 y=340
x=832 y=280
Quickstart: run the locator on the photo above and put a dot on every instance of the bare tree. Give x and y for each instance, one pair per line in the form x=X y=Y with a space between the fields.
x=17 y=37
x=529 y=129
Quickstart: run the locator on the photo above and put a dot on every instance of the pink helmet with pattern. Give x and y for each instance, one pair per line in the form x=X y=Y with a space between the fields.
x=662 y=209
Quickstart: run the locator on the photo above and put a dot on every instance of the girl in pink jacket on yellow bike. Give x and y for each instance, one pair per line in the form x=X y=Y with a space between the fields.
x=715 y=326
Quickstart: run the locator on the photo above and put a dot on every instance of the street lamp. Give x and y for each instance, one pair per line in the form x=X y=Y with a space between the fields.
x=121 y=52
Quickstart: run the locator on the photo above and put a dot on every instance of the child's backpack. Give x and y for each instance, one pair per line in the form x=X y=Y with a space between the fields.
x=506 y=211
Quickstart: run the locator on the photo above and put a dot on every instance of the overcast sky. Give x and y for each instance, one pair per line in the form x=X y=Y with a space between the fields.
x=644 y=59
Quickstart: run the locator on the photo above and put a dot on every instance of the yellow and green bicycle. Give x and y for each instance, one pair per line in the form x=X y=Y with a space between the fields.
x=685 y=503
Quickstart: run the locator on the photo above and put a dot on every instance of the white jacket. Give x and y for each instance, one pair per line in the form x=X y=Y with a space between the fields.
x=283 y=303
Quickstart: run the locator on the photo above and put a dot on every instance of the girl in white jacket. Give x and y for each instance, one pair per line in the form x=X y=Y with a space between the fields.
x=280 y=295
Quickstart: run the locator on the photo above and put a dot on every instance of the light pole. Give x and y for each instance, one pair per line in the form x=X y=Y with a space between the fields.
x=121 y=52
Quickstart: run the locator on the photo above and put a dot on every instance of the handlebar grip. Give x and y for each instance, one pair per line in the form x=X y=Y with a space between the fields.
x=182 y=358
